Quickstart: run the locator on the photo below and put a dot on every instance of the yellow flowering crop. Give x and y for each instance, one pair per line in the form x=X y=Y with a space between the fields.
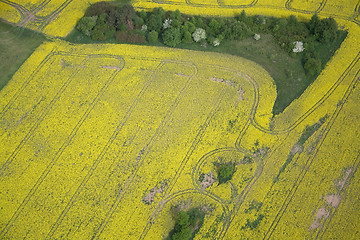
x=124 y=117
x=54 y=18
x=105 y=141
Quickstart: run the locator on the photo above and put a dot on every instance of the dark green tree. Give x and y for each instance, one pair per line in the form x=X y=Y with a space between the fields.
x=154 y=22
x=328 y=30
x=189 y=26
x=314 y=23
x=86 y=25
x=225 y=172
x=172 y=37
x=152 y=36
x=312 y=66
x=187 y=37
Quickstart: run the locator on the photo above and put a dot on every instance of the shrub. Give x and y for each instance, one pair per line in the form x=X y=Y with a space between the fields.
x=216 y=42
x=167 y=23
x=127 y=13
x=121 y=36
x=143 y=15
x=215 y=26
x=154 y=22
x=199 y=34
x=187 y=37
x=138 y=21
x=86 y=24
x=238 y=30
x=129 y=37
x=98 y=34
x=99 y=8
x=187 y=224
x=172 y=37
x=189 y=26
x=152 y=36
x=312 y=66
x=225 y=172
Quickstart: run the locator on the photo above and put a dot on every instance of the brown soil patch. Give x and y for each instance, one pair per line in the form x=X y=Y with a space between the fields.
x=241 y=94
x=333 y=200
x=182 y=75
x=149 y=198
x=208 y=181
x=111 y=67
x=341 y=183
x=297 y=149
x=322 y=213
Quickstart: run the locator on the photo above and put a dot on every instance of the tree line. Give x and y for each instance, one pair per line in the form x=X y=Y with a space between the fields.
x=104 y=21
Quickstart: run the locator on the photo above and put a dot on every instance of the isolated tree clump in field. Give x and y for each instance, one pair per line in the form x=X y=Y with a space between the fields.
x=187 y=224
x=225 y=172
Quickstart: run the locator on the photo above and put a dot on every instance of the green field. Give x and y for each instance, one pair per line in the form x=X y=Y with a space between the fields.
x=16 y=45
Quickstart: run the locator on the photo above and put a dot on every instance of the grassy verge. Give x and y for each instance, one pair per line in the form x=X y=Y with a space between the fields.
x=16 y=45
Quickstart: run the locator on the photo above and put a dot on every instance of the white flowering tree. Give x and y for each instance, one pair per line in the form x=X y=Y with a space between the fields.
x=167 y=23
x=257 y=37
x=298 y=47
x=144 y=28
x=199 y=34
x=216 y=42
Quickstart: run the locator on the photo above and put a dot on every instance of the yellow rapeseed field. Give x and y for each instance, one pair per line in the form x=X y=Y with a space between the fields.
x=104 y=141
x=52 y=17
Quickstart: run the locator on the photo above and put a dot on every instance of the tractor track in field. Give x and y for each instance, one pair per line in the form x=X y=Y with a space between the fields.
x=192 y=148
x=289 y=2
x=325 y=225
x=301 y=176
x=28 y=17
x=140 y=161
x=64 y=145
x=220 y=4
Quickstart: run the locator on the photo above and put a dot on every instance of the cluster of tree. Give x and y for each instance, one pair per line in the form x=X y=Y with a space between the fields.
x=104 y=20
x=187 y=224
x=225 y=172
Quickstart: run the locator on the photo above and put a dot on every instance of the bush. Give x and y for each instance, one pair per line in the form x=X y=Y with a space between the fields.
x=86 y=24
x=172 y=37
x=215 y=26
x=138 y=21
x=238 y=30
x=312 y=67
x=328 y=30
x=199 y=34
x=129 y=37
x=127 y=13
x=225 y=172
x=121 y=36
x=154 y=22
x=99 y=8
x=98 y=34
x=189 y=26
x=152 y=36
x=187 y=37
x=187 y=224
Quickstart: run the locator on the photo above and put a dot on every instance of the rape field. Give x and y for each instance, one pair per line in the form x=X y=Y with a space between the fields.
x=52 y=17
x=104 y=141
